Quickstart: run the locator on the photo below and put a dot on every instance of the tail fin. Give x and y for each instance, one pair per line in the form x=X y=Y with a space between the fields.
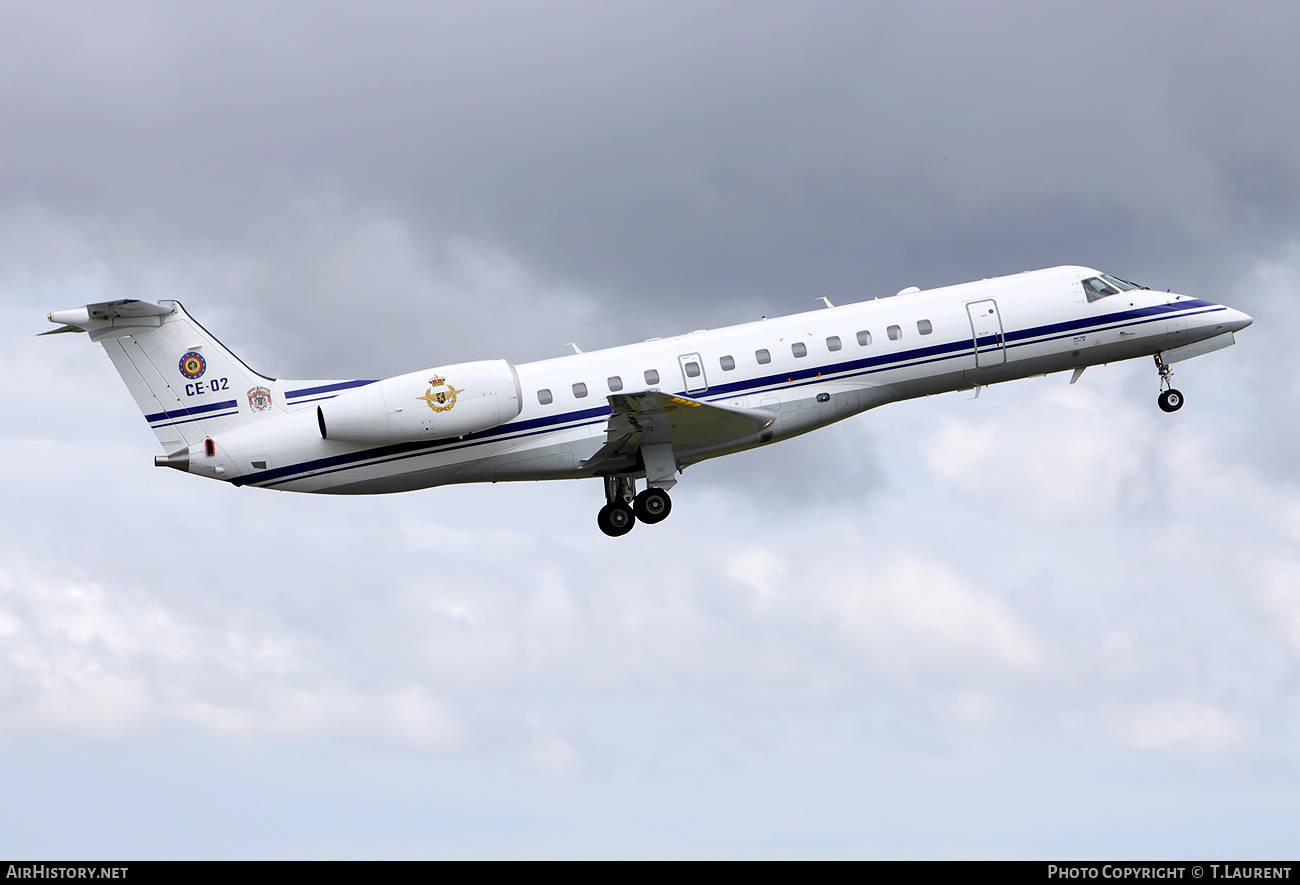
x=187 y=384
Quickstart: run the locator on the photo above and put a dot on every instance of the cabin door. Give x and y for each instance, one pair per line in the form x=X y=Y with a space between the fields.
x=693 y=372
x=986 y=330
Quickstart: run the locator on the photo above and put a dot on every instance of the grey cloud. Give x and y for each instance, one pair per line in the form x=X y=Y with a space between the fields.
x=675 y=153
x=888 y=621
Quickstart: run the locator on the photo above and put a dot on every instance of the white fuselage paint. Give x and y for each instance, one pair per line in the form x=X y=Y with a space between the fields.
x=979 y=333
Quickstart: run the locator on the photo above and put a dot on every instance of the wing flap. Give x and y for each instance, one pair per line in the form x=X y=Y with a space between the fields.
x=652 y=417
x=679 y=420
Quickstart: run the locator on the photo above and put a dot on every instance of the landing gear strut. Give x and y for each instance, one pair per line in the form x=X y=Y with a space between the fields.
x=1170 y=399
x=616 y=518
x=625 y=508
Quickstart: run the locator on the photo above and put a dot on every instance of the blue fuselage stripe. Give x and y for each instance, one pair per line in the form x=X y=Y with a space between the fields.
x=193 y=412
x=325 y=388
x=783 y=380
x=199 y=418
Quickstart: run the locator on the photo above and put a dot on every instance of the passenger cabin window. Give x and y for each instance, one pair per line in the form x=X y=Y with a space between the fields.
x=763 y=357
x=864 y=338
x=799 y=349
x=895 y=332
x=833 y=343
x=1096 y=288
x=651 y=376
x=924 y=327
x=579 y=390
x=544 y=397
x=614 y=383
x=692 y=369
x=727 y=363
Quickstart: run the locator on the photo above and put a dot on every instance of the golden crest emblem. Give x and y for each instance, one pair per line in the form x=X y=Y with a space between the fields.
x=441 y=400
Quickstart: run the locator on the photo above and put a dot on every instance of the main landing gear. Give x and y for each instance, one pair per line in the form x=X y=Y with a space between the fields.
x=1170 y=400
x=626 y=508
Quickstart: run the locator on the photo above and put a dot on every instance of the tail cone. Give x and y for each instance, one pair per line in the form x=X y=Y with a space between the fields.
x=179 y=460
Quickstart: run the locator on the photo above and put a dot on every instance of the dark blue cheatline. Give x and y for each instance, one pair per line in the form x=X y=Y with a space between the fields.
x=183 y=416
x=323 y=391
x=781 y=381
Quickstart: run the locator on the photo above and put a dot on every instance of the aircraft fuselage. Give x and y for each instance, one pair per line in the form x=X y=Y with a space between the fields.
x=574 y=416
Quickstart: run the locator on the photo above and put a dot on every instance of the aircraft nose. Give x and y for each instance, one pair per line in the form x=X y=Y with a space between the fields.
x=1236 y=320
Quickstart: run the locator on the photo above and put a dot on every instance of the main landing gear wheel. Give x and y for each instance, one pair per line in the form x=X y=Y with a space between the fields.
x=652 y=505
x=615 y=519
x=1171 y=400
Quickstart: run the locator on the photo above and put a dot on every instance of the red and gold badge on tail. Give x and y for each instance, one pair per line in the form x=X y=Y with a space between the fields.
x=259 y=399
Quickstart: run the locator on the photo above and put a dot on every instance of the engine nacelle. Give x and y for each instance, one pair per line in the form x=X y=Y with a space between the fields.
x=448 y=401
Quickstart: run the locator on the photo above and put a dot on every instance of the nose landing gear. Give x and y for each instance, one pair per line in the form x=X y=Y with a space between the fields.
x=1170 y=400
x=625 y=508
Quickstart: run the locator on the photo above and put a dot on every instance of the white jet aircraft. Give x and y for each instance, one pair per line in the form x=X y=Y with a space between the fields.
x=639 y=412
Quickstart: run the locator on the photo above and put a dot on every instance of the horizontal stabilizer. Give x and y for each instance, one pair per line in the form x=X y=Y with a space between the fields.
x=122 y=317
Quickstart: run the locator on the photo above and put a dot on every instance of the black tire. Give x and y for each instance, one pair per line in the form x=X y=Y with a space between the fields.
x=652 y=505
x=615 y=520
x=1171 y=400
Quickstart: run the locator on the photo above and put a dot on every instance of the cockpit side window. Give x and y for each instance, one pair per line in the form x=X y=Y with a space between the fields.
x=1096 y=287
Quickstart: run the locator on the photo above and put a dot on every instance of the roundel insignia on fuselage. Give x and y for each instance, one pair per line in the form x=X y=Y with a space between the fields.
x=193 y=365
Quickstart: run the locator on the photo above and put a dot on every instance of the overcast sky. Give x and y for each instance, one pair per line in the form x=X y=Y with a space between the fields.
x=1051 y=622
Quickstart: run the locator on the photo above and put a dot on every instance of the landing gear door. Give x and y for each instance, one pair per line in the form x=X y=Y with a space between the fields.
x=986 y=329
x=693 y=372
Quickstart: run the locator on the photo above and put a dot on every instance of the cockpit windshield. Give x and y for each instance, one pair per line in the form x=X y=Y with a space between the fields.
x=1101 y=286
x=1124 y=285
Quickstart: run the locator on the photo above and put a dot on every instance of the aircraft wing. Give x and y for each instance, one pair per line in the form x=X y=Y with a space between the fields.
x=652 y=417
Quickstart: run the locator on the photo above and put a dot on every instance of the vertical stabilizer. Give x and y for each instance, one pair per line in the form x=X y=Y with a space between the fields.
x=187 y=384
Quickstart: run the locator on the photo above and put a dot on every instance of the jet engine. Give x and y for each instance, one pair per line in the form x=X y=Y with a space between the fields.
x=449 y=401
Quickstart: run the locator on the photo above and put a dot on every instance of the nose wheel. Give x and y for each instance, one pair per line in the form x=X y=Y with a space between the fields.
x=624 y=508
x=1170 y=400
